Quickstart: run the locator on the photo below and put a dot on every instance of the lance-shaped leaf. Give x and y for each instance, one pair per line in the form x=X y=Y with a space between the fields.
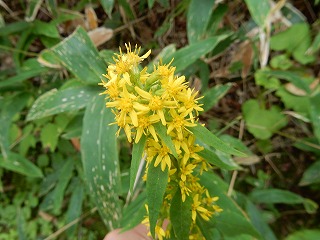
x=9 y=107
x=78 y=54
x=17 y=163
x=100 y=160
x=58 y=101
x=184 y=57
x=180 y=215
x=207 y=137
x=157 y=181
x=137 y=154
x=162 y=132
x=213 y=158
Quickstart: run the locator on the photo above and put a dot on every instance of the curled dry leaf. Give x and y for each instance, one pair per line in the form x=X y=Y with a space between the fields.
x=247 y=160
x=100 y=35
x=91 y=18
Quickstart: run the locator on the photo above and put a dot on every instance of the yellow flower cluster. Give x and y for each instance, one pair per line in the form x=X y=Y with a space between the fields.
x=140 y=100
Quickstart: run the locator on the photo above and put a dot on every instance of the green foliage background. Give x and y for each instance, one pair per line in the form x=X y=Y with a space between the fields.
x=65 y=175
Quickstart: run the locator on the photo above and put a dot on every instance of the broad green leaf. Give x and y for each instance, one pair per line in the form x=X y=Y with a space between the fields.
x=311 y=175
x=10 y=106
x=78 y=54
x=100 y=160
x=211 y=157
x=49 y=136
x=75 y=206
x=213 y=95
x=58 y=101
x=258 y=221
x=17 y=163
x=263 y=79
x=262 y=123
x=208 y=229
x=184 y=57
x=306 y=234
x=168 y=50
x=162 y=132
x=299 y=104
x=231 y=221
x=180 y=215
x=207 y=137
x=281 y=61
x=198 y=17
x=107 y=6
x=296 y=44
x=315 y=114
x=63 y=181
x=137 y=155
x=216 y=18
x=157 y=181
x=259 y=11
x=273 y=196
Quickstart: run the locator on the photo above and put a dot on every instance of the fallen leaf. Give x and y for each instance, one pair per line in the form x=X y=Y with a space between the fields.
x=100 y=35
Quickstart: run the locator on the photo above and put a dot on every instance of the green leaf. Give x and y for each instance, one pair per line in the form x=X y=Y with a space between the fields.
x=315 y=114
x=17 y=163
x=292 y=77
x=49 y=136
x=299 y=104
x=281 y=62
x=150 y=3
x=75 y=206
x=296 y=44
x=63 y=180
x=134 y=213
x=45 y=29
x=311 y=175
x=184 y=57
x=208 y=229
x=231 y=221
x=262 y=123
x=315 y=46
x=78 y=54
x=198 y=17
x=23 y=75
x=162 y=132
x=15 y=27
x=157 y=181
x=258 y=222
x=100 y=160
x=259 y=11
x=306 y=234
x=223 y=163
x=213 y=95
x=137 y=154
x=107 y=6
x=10 y=106
x=58 y=101
x=207 y=137
x=273 y=196
x=180 y=215
x=32 y=10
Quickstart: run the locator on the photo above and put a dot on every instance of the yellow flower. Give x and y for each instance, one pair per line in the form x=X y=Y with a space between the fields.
x=185 y=191
x=160 y=152
x=156 y=104
x=145 y=126
x=186 y=170
x=189 y=102
x=197 y=208
x=125 y=61
x=178 y=123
